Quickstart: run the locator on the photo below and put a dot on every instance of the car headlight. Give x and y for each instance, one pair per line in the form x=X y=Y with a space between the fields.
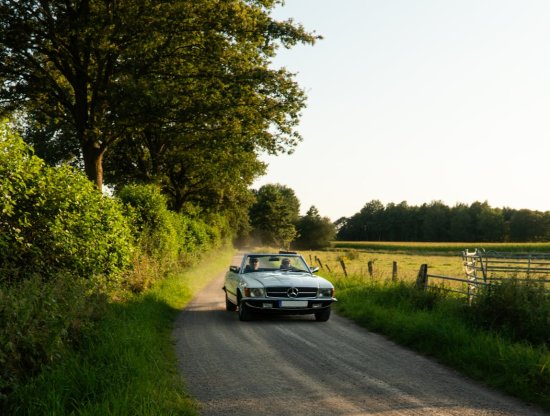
x=254 y=292
x=326 y=292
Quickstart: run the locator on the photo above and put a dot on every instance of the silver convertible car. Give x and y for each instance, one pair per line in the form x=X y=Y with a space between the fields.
x=280 y=283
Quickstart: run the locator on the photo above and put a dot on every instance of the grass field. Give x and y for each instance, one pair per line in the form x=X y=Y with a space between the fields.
x=408 y=263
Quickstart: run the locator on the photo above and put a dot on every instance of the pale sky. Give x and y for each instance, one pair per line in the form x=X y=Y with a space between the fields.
x=420 y=100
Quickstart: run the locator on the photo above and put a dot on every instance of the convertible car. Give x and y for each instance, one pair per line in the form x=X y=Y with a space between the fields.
x=279 y=283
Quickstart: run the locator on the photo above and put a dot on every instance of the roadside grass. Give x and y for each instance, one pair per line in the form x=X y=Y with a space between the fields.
x=483 y=341
x=127 y=365
x=440 y=325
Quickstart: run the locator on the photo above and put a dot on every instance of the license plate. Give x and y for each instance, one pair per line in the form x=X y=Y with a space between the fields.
x=293 y=304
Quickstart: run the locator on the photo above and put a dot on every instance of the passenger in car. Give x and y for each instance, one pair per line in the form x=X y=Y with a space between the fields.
x=285 y=264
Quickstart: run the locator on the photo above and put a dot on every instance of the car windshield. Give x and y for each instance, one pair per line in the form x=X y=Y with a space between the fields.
x=285 y=263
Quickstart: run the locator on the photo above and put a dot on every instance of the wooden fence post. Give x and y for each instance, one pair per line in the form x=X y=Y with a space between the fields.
x=394 y=272
x=328 y=268
x=422 y=279
x=343 y=267
x=319 y=261
x=370 y=268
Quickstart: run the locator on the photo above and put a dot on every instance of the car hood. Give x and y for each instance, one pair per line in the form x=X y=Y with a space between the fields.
x=286 y=279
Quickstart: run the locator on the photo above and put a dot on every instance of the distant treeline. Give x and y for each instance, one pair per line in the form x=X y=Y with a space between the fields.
x=478 y=222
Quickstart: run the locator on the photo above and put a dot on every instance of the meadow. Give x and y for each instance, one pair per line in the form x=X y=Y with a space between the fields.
x=356 y=262
x=441 y=258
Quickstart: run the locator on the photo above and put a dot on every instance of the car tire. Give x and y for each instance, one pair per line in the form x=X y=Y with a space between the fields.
x=245 y=314
x=229 y=306
x=322 y=316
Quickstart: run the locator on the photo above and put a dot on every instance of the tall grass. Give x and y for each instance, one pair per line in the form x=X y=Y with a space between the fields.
x=440 y=325
x=127 y=365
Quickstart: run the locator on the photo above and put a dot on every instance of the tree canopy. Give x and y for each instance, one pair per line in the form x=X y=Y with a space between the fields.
x=274 y=214
x=179 y=93
x=478 y=222
x=314 y=231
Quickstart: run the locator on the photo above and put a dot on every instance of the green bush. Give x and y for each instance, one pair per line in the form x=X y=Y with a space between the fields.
x=517 y=309
x=53 y=219
x=167 y=239
x=153 y=223
x=62 y=244
x=65 y=249
x=38 y=321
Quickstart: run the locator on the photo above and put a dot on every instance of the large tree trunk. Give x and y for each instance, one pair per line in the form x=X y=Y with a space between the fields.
x=93 y=162
x=92 y=147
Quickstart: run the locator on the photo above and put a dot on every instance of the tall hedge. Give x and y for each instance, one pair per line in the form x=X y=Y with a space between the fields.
x=165 y=235
x=62 y=244
x=53 y=219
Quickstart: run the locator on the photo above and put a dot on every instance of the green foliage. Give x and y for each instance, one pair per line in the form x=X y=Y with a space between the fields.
x=517 y=309
x=436 y=222
x=66 y=249
x=153 y=223
x=527 y=225
x=62 y=243
x=167 y=240
x=274 y=214
x=314 y=231
x=179 y=93
x=53 y=220
x=126 y=364
x=38 y=321
x=443 y=248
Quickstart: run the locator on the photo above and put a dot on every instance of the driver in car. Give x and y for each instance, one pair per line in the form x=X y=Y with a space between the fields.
x=252 y=266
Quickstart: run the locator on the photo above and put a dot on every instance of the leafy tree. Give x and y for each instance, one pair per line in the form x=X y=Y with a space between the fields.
x=435 y=221
x=399 y=222
x=340 y=222
x=65 y=63
x=490 y=224
x=460 y=225
x=314 y=231
x=527 y=225
x=274 y=214
x=367 y=224
x=180 y=93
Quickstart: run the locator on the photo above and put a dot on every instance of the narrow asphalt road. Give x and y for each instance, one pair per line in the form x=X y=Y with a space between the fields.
x=297 y=366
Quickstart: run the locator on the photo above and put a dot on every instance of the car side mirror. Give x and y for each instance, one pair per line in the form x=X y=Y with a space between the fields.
x=314 y=269
x=234 y=269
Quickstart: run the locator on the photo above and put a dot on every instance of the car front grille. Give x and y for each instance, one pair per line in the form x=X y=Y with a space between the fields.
x=283 y=292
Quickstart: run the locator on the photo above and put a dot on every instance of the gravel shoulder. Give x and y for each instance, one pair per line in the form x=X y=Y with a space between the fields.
x=297 y=366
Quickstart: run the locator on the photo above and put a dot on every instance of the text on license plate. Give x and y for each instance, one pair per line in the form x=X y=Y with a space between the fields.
x=293 y=304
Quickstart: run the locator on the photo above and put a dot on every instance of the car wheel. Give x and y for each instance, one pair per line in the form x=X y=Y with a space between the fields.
x=245 y=314
x=229 y=306
x=322 y=316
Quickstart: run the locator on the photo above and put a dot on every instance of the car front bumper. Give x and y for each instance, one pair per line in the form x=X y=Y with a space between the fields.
x=287 y=306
